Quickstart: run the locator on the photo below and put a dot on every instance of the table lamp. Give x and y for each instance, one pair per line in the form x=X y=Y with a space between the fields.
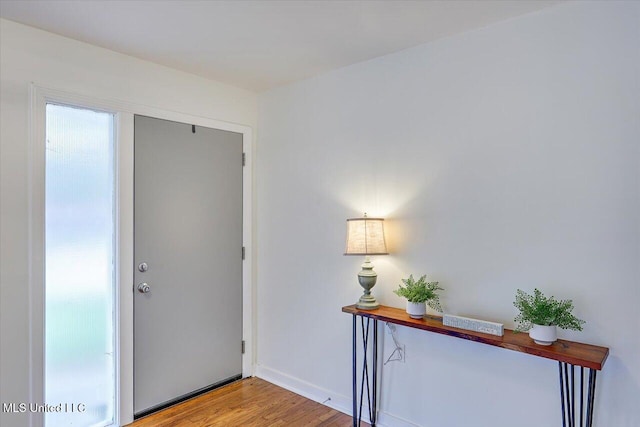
x=365 y=236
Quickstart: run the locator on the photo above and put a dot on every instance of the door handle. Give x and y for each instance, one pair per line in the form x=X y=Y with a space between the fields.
x=143 y=288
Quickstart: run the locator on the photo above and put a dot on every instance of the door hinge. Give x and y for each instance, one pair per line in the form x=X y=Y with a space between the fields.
x=242 y=346
x=243 y=253
x=244 y=159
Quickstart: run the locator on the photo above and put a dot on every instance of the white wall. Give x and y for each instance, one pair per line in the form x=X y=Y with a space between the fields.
x=30 y=55
x=504 y=158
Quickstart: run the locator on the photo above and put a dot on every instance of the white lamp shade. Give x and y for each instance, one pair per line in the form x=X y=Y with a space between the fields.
x=365 y=236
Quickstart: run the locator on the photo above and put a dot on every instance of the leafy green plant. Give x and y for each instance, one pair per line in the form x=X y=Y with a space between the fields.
x=420 y=291
x=537 y=309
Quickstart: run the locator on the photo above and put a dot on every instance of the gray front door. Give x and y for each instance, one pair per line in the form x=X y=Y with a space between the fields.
x=188 y=252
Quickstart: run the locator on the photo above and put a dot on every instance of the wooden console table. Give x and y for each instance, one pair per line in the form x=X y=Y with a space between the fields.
x=569 y=355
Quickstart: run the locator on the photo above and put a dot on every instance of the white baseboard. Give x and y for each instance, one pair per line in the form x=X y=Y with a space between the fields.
x=326 y=397
x=303 y=388
x=386 y=419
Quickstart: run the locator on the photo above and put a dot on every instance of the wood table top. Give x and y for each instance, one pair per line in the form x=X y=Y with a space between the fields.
x=575 y=353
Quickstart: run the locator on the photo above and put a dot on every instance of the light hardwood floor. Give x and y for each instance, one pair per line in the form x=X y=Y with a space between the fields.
x=245 y=403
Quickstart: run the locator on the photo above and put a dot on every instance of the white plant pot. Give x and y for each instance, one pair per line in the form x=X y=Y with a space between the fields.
x=416 y=310
x=543 y=335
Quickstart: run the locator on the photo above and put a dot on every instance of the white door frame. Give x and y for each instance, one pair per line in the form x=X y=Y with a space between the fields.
x=124 y=112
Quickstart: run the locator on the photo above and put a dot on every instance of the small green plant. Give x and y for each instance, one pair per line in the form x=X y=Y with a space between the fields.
x=537 y=309
x=420 y=291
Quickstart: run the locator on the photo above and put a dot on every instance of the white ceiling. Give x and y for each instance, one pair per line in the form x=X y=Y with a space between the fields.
x=259 y=45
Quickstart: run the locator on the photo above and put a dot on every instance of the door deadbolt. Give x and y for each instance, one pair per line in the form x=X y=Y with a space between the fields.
x=143 y=288
x=142 y=267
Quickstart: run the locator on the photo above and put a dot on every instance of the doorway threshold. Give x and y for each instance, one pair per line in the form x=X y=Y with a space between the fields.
x=185 y=397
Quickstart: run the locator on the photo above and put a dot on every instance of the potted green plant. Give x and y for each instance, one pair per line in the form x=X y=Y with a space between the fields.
x=419 y=293
x=541 y=316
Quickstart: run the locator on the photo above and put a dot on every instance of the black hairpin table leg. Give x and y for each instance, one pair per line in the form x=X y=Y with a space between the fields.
x=568 y=396
x=367 y=383
x=354 y=377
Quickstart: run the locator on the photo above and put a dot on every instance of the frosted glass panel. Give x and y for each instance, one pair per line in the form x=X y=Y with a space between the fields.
x=79 y=280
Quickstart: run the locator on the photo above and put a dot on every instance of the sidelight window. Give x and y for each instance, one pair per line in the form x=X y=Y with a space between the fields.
x=79 y=267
